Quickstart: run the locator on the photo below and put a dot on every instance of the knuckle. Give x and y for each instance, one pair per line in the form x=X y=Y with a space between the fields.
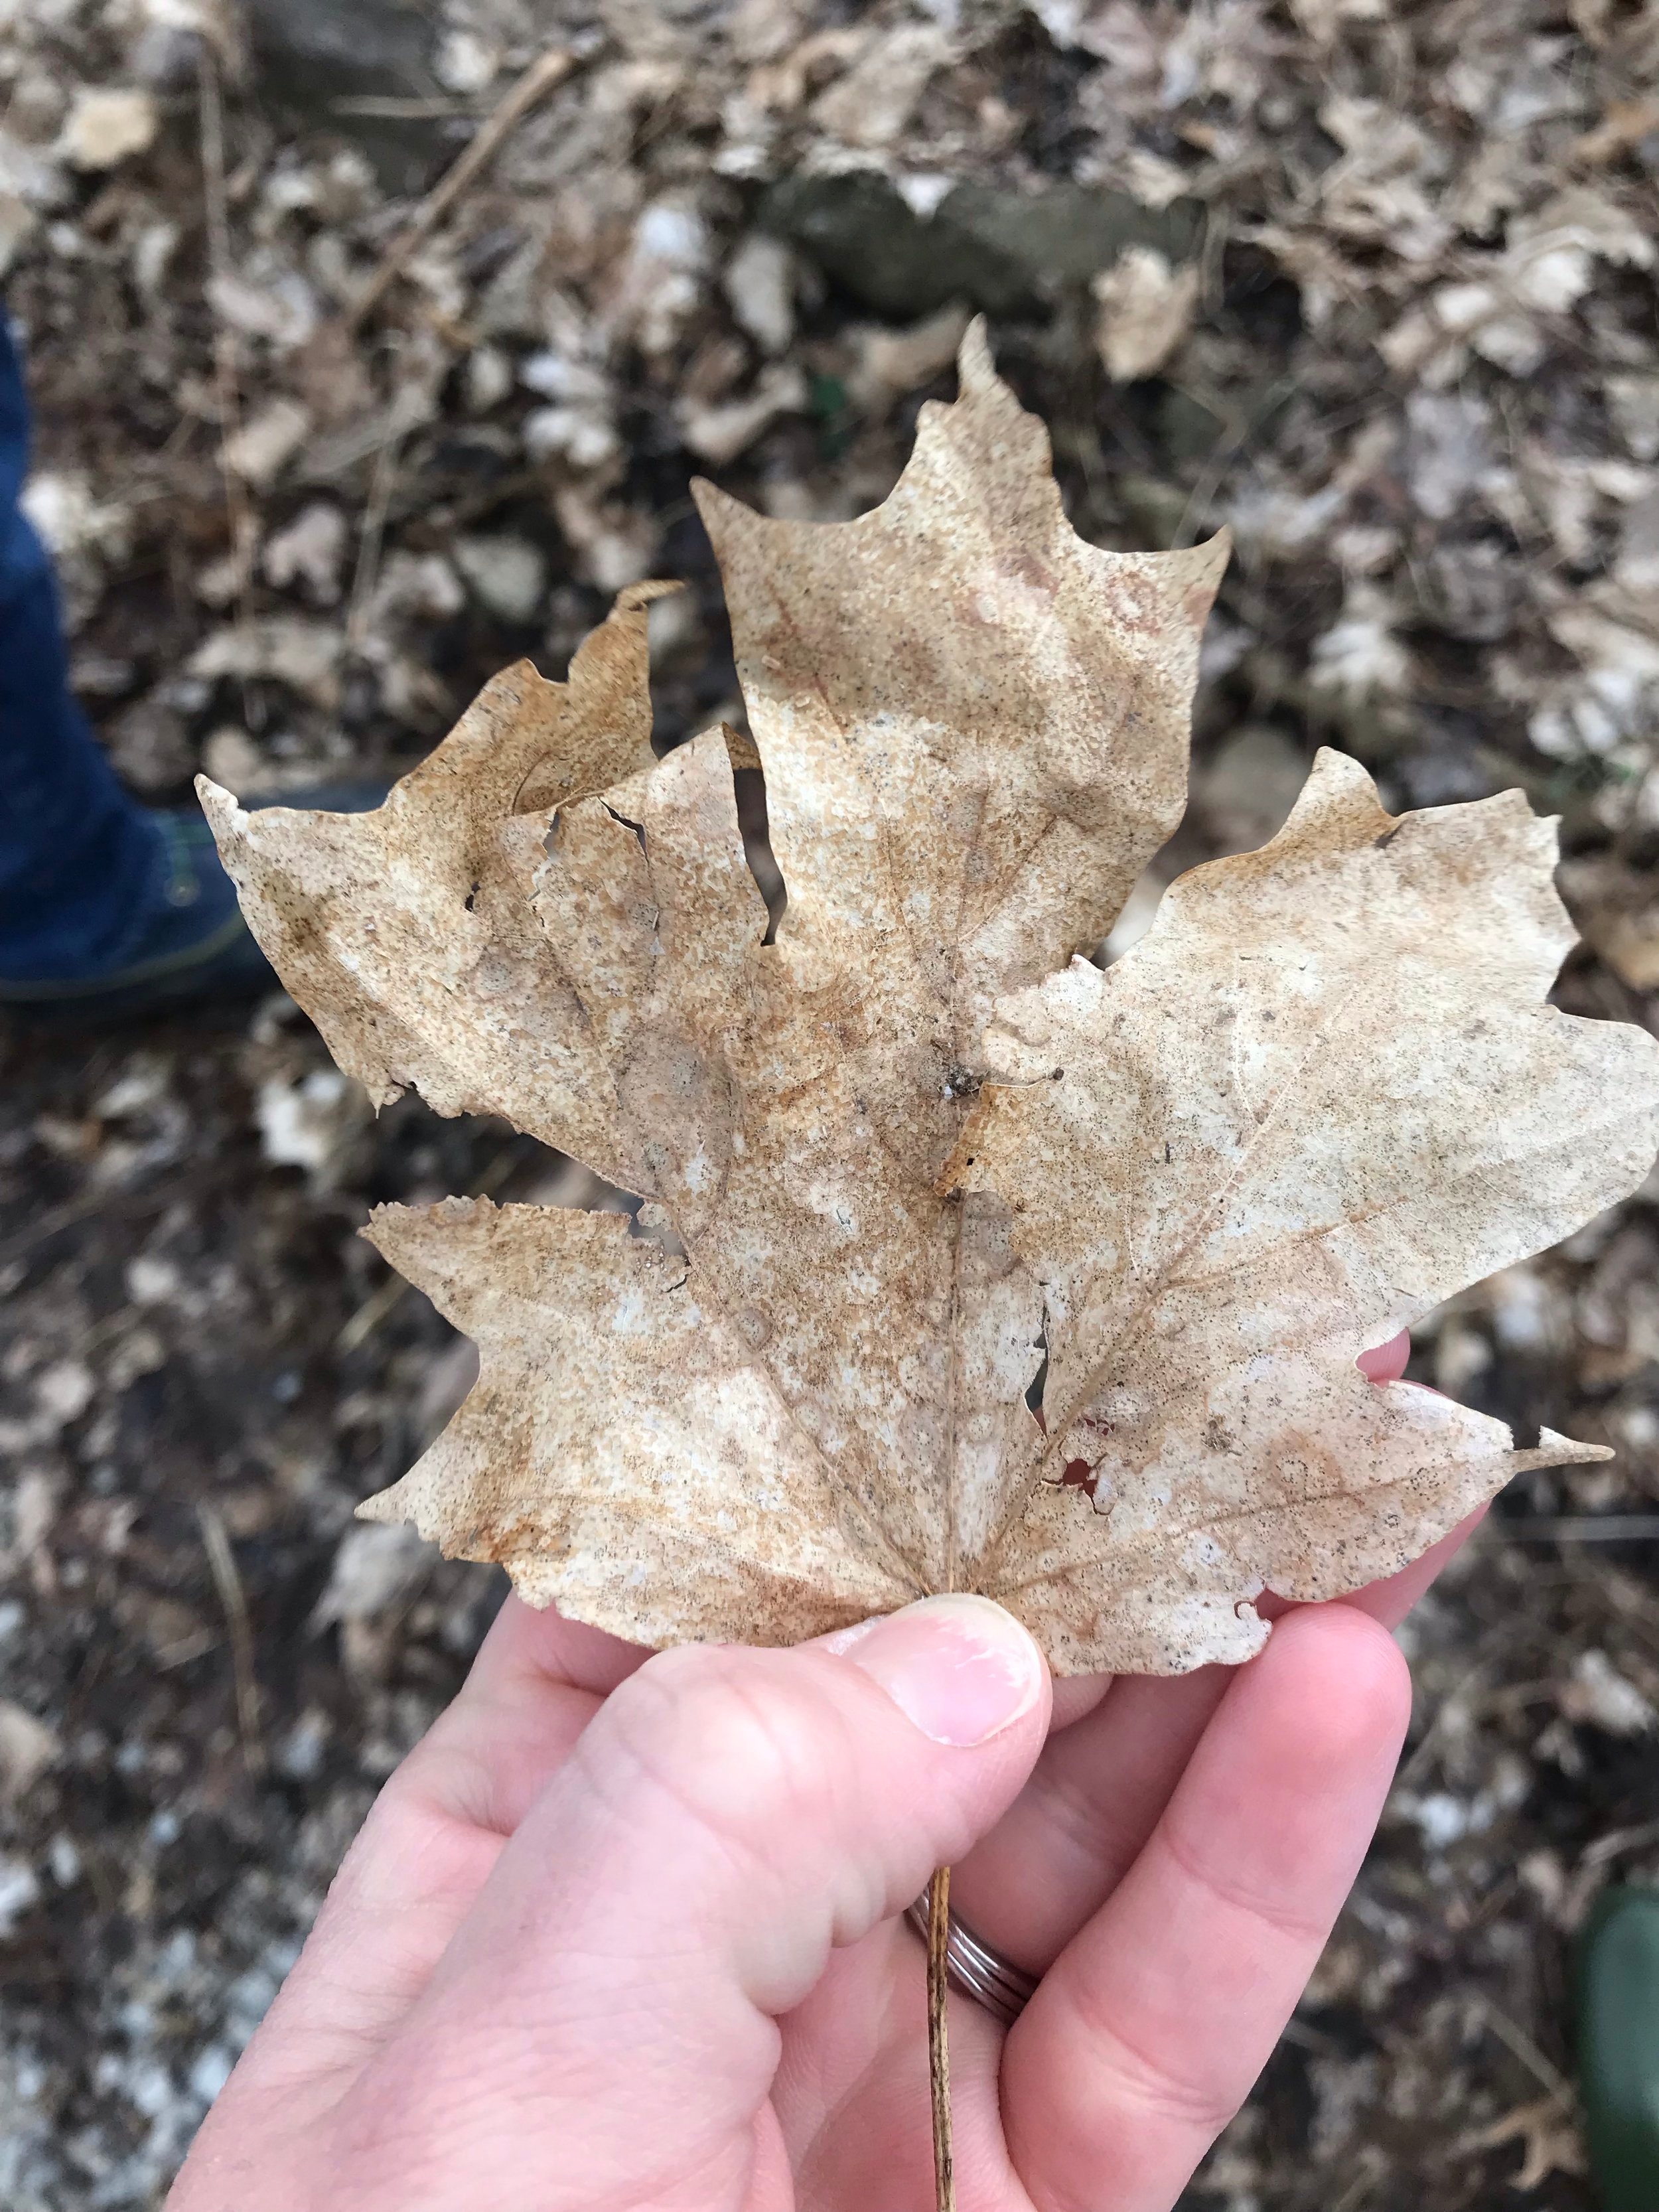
x=738 y=1745
x=1157 y=2084
x=1272 y=1910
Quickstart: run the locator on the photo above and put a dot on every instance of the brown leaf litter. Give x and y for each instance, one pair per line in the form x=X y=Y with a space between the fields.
x=1443 y=567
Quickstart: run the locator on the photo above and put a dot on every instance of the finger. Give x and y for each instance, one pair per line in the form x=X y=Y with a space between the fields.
x=538 y=1680
x=1077 y=1827
x=1076 y=1696
x=528 y=1642
x=1389 y=1361
x=728 y=1817
x=1099 y=1788
x=1147 y=2033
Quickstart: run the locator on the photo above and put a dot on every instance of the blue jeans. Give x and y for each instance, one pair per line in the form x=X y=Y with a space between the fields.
x=82 y=865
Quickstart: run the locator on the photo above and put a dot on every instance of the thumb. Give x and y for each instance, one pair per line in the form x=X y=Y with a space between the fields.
x=728 y=1817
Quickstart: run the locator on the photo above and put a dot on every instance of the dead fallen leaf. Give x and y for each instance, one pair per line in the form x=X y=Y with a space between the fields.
x=1549 y=2130
x=1081 y=1335
x=106 y=127
x=1629 y=943
x=28 y=1748
x=1144 y=310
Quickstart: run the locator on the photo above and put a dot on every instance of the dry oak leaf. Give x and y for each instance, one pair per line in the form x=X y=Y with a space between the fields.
x=1067 y=1313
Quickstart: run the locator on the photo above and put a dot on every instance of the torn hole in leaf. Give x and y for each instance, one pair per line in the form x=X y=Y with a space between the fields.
x=650 y=1224
x=749 y=784
x=1034 y=1389
x=638 y=828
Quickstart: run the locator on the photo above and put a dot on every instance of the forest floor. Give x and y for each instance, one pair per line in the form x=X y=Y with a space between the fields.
x=1371 y=284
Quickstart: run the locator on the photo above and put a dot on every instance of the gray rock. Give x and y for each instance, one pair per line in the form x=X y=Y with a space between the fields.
x=999 y=248
x=312 y=55
x=372 y=45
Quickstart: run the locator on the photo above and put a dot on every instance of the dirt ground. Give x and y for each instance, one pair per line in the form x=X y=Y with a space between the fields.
x=1372 y=283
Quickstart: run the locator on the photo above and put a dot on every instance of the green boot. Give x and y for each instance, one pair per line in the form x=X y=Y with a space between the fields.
x=1619 y=2046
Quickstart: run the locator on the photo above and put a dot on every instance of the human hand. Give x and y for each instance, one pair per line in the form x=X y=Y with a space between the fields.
x=620 y=1932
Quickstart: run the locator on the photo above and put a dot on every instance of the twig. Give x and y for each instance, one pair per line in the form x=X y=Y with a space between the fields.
x=1353 y=2197
x=239 y=514
x=537 y=80
x=1617 y=1842
x=122 y=1206
x=1517 y=2041
x=389 y=108
x=1225 y=450
x=938 y=2038
x=363 y=1321
x=1582 y=1528
x=228 y=1583
x=370 y=539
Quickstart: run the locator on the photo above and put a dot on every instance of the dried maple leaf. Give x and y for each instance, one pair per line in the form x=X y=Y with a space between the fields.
x=987 y=1271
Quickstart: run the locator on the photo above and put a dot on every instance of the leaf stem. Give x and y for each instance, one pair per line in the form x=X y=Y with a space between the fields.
x=938 y=2038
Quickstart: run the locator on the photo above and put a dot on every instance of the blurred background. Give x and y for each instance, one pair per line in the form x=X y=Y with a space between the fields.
x=374 y=346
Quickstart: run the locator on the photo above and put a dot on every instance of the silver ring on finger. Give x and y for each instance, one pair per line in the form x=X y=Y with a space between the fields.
x=1003 y=1989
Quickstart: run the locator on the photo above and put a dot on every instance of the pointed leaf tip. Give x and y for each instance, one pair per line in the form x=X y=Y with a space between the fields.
x=975 y=366
x=633 y=596
x=222 y=808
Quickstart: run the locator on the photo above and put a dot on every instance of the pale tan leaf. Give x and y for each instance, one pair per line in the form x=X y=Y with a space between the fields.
x=1146 y=309
x=1321 y=1094
x=1324 y=1092
x=974 y=725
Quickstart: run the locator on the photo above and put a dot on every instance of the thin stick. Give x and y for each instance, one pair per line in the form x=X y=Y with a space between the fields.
x=227 y=366
x=370 y=542
x=1517 y=2040
x=1582 y=1528
x=537 y=80
x=938 y=2038
x=222 y=1562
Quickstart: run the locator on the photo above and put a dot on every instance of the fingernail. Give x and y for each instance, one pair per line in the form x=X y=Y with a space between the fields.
x=959 y=1668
